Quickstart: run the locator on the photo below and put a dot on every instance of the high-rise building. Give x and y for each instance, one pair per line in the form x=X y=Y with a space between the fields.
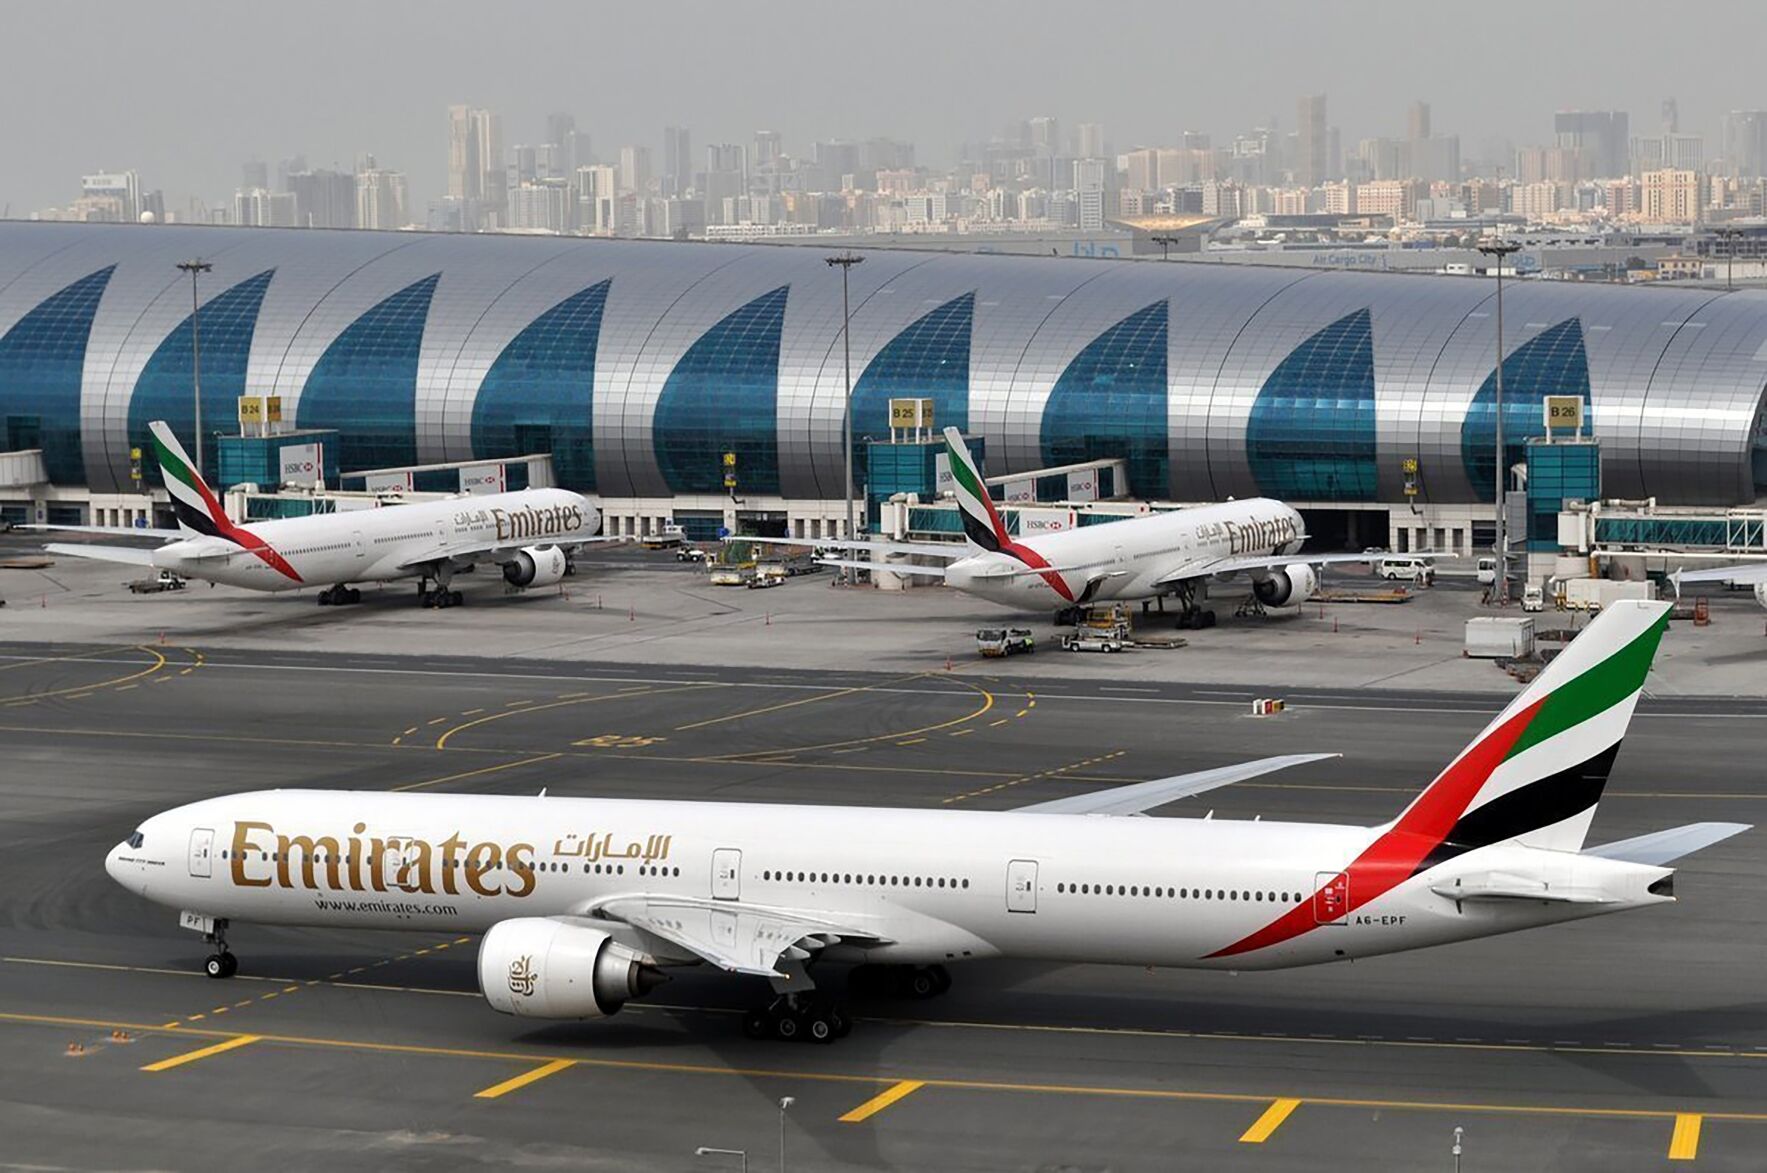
x=1312 y=150
x=475 y=156
x=381 y=199
x=1601 y=137
x=635 y=168
x=322 y=199
x=1141 y=170
x=598 y=198
x=768 y=148
x=1669 y=196
x=259 y=207
x=117 y=192
x=1089 y=193
x=1089 y=140
x=1417 y=121
x=1745 y=142
x=677 y=160
x=1671 y=116
x=254 y=173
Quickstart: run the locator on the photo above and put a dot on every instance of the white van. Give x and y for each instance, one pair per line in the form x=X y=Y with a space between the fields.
x=1410 y=567
x=1487 y=570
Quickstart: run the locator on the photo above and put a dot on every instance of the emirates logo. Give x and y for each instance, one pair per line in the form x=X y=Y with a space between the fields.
x=522 y=977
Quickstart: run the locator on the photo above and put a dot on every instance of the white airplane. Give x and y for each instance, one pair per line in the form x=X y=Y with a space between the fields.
x=1143 y=557
x=1747 y=573
x=584 y=903
x=530 y=534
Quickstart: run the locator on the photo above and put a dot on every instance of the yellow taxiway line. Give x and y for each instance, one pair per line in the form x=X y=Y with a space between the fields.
x=896 y=1091
x=534 y=761
x=1684 y=1145
x=524 y=1079
x=1269 y=1122
x=231 y=1044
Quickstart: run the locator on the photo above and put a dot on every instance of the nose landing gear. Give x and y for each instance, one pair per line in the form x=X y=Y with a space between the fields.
x=221 y=963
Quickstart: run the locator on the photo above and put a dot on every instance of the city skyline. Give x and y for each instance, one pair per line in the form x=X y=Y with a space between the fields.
x=379 y=91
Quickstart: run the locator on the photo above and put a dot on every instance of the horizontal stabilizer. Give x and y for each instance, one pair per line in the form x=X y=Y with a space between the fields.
x=118 y=531
x=133 y=555
x=891 y=567
x=1660 y=848
x=1144 y=796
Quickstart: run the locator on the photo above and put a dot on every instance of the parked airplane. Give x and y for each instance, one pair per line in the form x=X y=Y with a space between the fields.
x=1145 y=557
x=1747 y=574
x=585 y=902
x=530 y=534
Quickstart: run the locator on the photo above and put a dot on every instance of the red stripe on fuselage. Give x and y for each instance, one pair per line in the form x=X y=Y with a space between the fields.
x=1036 y=561
x=1393 y=858
x=245 y=539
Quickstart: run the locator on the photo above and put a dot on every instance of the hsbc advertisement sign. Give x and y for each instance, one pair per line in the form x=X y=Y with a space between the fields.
x=1083 y=486
x=479 y=479
x=1020 y=491
x=303 y=464
x=1032 y=522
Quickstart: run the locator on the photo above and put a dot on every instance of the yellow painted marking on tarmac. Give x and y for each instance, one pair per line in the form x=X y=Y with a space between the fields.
x=435 y=721
x=530 y=707
x=1269 y=1122
x=69 y=658
x=1684 y=1145
x=477 y=773
x=987 y=703
x=292 y=989
x=960 y=733
x=524 y=1079
x=471 y=712
x=78 y=696
x=568 y=696
x=807 y=700
x=513 y=705
x=231 y=1044
x=398 y=739
x=890 y=1095
x=1054 y=772
x=173 y=1025
x=159 y=661
x=1021 y=712
x=410 y=731
x=1002 y=721
x=126 y=687
x=912 y=741
x=186 y=671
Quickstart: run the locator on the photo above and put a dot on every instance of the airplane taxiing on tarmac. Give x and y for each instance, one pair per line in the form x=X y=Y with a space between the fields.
x=584 y=902
x=530 y=534
x=1143 y=557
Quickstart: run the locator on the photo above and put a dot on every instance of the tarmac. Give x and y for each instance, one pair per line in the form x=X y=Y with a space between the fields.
x=1631 y=1042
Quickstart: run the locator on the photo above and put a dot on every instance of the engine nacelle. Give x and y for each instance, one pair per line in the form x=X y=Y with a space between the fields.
x=1288 y=586
x=535 y=566
x=534 y=967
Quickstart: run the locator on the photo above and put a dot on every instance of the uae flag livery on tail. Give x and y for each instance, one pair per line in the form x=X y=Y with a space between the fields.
x=198 y=510
x=1533 y=776
x=983 y=528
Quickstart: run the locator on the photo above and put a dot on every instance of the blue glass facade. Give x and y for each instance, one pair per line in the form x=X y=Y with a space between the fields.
x=163 y=391
x=537 y=395
x=1311 y=433
x=929 y=359
x=723 y=396
x=1111 y=402
x=1553 y=362
x=365 y=384
x=42 y=367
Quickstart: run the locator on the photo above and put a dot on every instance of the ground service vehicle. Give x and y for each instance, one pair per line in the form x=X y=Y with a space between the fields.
x=1005 y=641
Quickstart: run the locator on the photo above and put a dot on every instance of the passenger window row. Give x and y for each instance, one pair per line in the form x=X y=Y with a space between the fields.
x=1159 y=891
x=870 y=880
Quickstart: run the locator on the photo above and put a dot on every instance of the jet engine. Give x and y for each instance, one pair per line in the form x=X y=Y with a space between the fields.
x=535 y=566
x=535 y=967
x=1287 y=586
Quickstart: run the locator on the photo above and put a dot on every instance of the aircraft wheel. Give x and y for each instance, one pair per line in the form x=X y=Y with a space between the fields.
x=819 y=1027
x=754 y=1024
x=786 y=1027
x=920 y=982
x=455 y=598
x=942 y=976
x=352 y=596
x=221 y=965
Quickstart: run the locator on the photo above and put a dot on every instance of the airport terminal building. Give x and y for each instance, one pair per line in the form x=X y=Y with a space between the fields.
x=639 y=365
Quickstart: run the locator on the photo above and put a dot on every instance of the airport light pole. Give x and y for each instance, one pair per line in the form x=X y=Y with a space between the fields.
x=706 y=1151
x=1502 y=251
x=784 y=1103
x=1165 y=242
x=846 y=261
x=195 y=268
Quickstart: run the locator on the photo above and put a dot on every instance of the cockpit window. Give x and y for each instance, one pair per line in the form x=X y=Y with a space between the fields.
x=134 y=840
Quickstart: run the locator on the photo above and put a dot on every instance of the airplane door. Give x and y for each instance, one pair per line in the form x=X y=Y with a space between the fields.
x=356 y=541
x=202 y=850
x=1021 y=886
x=1331 y=898
x=398 y=863
x=727 y=874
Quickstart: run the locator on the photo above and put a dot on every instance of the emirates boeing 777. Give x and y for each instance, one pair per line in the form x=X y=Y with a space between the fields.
x=531 y=534
x=584 y=902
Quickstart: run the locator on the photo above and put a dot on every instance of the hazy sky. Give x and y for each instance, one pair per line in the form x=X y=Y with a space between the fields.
x=185 y=92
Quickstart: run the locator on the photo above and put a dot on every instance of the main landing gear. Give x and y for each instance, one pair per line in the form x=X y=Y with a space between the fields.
x=441 y=596
x=339 y=595
x=220 y=963
x=900 y=981
x=798 y=1018
x=1190 y=616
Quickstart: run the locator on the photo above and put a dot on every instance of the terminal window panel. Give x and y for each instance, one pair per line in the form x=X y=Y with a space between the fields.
x=365 y=384
x=1110 y=401
x=723 y=397
x=538 y=393
x=226 y=323
x=929 y=359
x=1552 y=362
x=1311 y=433
x=42 y=363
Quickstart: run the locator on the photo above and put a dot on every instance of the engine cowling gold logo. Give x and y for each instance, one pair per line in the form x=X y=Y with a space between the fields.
x=522 y=978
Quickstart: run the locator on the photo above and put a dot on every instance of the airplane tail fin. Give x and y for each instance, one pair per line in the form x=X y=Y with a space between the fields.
x=983 y=528
x=197 y=508
x=1537 y=772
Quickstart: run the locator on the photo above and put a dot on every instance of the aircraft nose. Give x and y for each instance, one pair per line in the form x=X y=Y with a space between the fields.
x=111 y=866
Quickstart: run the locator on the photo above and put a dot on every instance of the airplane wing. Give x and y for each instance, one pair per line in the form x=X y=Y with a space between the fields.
x=733 y=935
x=892 y=567
x=120 y=531
x=1203 y=567
x=133 y=555
x=951 y=550
x=1751 y=572
x=1138 y=797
